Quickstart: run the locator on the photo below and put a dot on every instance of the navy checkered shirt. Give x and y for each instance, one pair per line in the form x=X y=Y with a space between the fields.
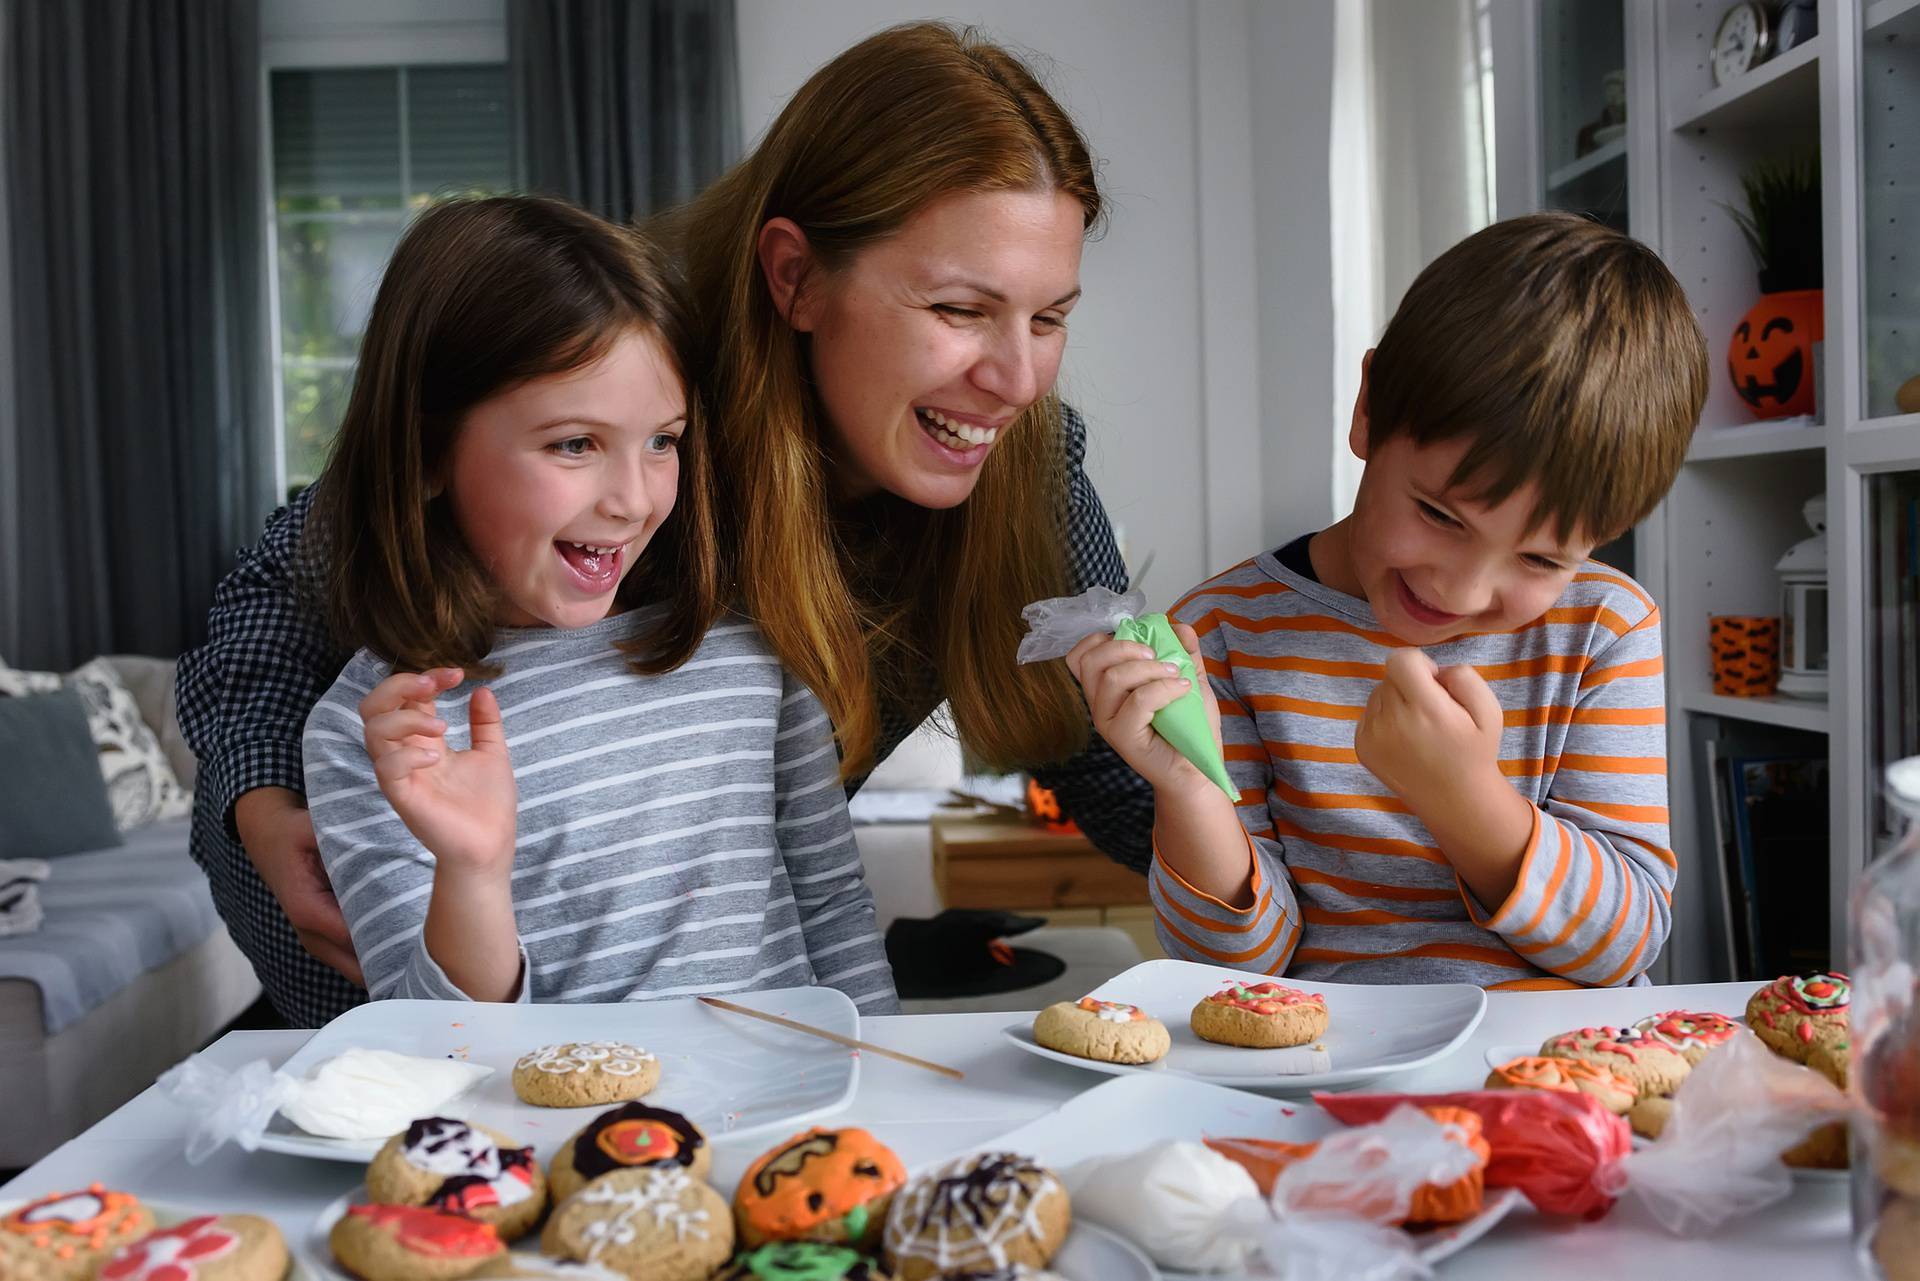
x=244 y=698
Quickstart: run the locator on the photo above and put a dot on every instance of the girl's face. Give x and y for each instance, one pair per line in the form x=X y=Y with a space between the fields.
x=930 y=343
x=557 y=484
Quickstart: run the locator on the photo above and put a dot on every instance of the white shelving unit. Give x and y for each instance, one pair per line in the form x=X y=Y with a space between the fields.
x=1854 y=92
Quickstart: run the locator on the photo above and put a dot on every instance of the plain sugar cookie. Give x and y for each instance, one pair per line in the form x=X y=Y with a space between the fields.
x=1109 y=1031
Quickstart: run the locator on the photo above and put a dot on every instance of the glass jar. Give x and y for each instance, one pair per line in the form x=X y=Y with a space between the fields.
x=1885 y=1057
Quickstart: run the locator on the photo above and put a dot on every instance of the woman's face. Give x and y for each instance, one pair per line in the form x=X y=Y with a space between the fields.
x=930 y=343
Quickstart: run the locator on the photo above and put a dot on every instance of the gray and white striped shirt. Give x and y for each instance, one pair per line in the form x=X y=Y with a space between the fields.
x=678 y=834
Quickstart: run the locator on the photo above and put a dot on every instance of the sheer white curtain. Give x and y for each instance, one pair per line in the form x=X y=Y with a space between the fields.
x=1410 y=168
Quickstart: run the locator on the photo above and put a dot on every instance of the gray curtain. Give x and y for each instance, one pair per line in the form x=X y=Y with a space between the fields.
x=624 y=106
x=142 y=454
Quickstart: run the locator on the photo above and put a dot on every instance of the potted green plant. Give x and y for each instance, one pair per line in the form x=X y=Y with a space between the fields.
x=1771 y=356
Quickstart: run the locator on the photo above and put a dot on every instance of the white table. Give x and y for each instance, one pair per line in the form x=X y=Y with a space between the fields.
x=924 y=1116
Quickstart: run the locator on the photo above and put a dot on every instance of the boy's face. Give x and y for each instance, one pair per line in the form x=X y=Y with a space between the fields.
x=1434 y=563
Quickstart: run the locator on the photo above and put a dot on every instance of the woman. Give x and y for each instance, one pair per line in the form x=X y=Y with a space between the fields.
x=886 y=283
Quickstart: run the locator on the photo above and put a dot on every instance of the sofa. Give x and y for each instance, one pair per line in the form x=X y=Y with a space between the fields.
x=128 y=973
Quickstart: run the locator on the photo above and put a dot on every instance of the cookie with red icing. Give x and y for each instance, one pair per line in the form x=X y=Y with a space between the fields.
x=1262 y=1016
x=1106 y=1031
x=1694 y=1033
x=451 y=1165
x=1653 y=1066
x=412 y=1243
x=633 y=1134
x=1799 y=1013
x=831 y=1186
x=209 y=1247
x=64 y=1237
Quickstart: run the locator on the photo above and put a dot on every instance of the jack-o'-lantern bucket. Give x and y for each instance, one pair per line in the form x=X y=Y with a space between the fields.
x=1771 y=356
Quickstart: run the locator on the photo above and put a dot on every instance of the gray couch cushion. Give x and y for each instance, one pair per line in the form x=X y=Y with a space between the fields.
x=53 y=800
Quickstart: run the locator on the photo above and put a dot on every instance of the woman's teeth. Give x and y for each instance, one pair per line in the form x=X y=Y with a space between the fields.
x=954 y=435
x=587 y=550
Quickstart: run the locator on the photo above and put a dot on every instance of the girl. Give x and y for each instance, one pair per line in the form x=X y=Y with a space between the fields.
x=636 y=803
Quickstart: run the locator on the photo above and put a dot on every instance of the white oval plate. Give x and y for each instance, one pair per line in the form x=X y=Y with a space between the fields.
x=1499 y=1054
x=166 y=1216
x=733 y=1076
x=1372 y=1030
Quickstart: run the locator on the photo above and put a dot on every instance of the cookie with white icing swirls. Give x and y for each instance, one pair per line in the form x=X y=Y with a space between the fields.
x=992 y=1210
x=1106 y=1031
x=652 y=1221
x=577 y=1074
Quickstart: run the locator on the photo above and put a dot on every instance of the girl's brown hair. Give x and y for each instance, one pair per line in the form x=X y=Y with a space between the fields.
x=893 y=601
x=482 y=295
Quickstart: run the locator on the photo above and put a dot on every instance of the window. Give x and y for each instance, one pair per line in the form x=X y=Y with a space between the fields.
x=356 y=151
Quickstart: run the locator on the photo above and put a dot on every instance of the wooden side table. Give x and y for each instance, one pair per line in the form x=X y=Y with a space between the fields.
x=1007 y=864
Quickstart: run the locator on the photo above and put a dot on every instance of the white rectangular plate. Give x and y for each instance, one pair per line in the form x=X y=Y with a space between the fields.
x=733 y=1076
x=1372 y=1030
x=1124 y=1116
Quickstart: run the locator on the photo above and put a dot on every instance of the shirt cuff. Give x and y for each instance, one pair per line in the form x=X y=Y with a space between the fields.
x=1181 y=883
x=1502 y=920
x=237 y=770
x=425 y=979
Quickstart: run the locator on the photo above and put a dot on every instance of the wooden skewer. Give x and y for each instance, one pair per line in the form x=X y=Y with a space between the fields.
x=865 y=1046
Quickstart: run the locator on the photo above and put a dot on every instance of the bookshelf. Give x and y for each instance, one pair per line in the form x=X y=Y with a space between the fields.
x=1853 y=92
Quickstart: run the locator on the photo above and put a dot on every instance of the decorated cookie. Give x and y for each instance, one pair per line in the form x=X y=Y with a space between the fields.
x=1824 y=1149
x=1652 y=1066
x=652 y=1221
x=461 y=1168
x=1109 y=1031
x=1692 y=1033
x=64 y=1237
x=225 y=1247
x=517 y=1266
x=990 y=1210
x=1538 y=1072
x=1261 y=1016
x=1797 y=1013
x=1832 y=1060
x=1649 y=1116
x=831 y=1186
x=411 y=1243
x=579 y=1074
x=801 y=1261
x=632 y=1134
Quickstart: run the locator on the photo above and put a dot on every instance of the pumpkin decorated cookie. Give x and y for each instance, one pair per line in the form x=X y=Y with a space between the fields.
x=801 y=1261
x=580 y=1074
x=1263 y=1016
x=65 y=1236
x=1652 y=1066
x=1693 y=1033
x=633 y=1134
x=652 y=1221
x=411 y=1243
x=224 y=1247
x=1565 y=1076
x=980 y=1212
x=461 y=1168
x=1799 y=1013
x=831 y=1186
x=1108 y=1031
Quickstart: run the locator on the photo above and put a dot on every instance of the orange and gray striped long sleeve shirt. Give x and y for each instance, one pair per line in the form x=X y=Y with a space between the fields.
x=1348 y=884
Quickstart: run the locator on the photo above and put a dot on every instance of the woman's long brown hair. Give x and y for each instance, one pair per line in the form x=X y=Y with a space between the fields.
x=482 y=295
x=894 y=600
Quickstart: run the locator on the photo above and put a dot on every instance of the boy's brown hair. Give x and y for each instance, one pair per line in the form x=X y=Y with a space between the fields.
x=1569 y=356
x=480 y=296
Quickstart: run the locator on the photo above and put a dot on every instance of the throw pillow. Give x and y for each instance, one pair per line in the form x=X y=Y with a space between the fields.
x=141 y=785
x=53 y=798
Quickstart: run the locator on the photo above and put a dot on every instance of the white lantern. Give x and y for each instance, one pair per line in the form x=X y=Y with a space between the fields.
x=1803 y=609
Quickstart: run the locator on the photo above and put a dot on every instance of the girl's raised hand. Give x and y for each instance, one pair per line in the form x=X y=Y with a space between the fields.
x=1125 y=685
x=460 y=805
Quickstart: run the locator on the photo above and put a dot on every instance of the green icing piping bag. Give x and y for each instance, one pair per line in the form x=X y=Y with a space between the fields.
x=1183 y=722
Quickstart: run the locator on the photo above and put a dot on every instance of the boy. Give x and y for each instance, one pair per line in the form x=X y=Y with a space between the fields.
x=1446 y=723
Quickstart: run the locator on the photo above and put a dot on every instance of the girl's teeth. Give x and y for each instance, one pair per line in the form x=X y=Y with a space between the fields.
x=956 y=435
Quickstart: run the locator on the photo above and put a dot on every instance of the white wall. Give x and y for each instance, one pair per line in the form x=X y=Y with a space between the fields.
x=1172 y=356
